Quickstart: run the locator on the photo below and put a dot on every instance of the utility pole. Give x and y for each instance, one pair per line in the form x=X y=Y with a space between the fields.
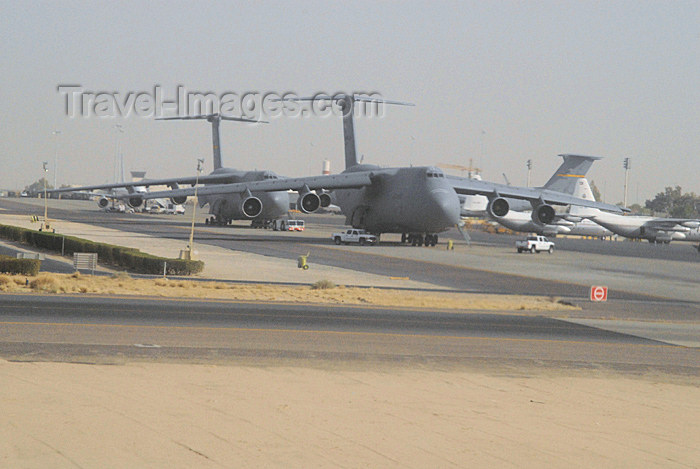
x=56 y=133
x=626 y=164
x=190 y=247
x=46 y=207
x=529 y=170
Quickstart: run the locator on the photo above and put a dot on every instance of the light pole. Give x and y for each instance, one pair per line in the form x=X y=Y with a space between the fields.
x=529 y=170
x=55 y=158
x=190 y=247
x=120 y=130
x=46 y=208
x=626 y=164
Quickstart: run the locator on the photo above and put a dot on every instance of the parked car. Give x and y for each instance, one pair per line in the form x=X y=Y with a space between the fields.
x=535 y=244
x=354 y=236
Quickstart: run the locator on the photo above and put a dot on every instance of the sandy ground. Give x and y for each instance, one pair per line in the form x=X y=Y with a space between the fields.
x=171 y=415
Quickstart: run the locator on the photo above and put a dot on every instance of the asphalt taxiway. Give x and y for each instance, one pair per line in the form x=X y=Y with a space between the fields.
x=104 y=330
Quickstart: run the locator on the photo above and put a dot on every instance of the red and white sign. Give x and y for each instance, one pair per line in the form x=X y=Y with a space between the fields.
x=599 y=293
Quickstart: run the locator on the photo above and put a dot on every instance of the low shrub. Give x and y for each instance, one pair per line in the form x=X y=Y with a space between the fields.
x=323 y=285
x=10 y=265
x=129 y=258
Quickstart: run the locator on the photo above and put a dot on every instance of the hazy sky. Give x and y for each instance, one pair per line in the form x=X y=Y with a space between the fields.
x=499 y=82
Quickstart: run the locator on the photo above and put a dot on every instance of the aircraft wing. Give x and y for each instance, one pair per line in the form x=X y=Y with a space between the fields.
x=336 y=181
x=672 y=224
x=106 y=195
x=474 y=187
x=190 y=180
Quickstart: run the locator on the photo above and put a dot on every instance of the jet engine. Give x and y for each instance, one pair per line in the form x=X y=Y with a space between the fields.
x=134 y=202
x=544 y=214
x=498 y=207
x=103 y=202
x=179 y=200
x=251 y=207
x=325 y=198
x=309 y=202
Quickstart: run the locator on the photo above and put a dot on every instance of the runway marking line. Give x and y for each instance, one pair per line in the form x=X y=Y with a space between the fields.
x=311 y=331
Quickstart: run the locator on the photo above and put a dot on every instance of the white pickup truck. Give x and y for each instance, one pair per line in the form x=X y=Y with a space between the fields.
x=535 y=244
x=354 y=236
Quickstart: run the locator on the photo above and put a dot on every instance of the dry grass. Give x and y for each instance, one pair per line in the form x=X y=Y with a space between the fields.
x=323 y=285
x=125 y=285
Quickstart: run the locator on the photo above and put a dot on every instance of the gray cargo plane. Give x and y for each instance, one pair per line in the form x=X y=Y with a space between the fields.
x=417 y=202
x=653 y=229
x=260 y=208
x=563 y=180
x=562 y=224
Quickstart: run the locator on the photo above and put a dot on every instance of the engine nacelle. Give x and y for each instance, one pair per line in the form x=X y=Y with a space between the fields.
x=251 y=207
x=134 y=202
x=498 y=207
x=325 y=199
x=309 y=202
x=103 y=202
x=179 y=200
x=543 y=214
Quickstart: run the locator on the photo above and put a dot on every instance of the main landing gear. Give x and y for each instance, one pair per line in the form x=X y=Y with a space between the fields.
x=217 y=221
x=419 y=239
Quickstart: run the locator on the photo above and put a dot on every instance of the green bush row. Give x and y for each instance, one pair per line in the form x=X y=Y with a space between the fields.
x=10 y=265
x=130 y=258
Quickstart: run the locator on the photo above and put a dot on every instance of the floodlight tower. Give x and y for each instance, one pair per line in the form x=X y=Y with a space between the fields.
x=626 y=164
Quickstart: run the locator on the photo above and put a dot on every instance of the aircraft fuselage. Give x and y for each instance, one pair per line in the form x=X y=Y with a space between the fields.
x=400 y=200
x=229 y=206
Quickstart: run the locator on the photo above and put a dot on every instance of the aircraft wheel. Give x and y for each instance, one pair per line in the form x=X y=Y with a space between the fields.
x=434 y=240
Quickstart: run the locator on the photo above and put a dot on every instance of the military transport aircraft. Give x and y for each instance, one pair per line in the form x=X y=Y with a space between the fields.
x=563 y=223
x=261 y=208
x=653 y=229
x=417 y=202
x=563 y=180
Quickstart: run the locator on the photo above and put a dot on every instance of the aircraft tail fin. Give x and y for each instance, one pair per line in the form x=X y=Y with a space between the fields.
x=215 y=119
x=347 y=105
x=583 y=190
x=572 y=169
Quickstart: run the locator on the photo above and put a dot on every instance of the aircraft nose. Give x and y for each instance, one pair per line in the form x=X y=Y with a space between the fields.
x=275 y=204
x=446 y=208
